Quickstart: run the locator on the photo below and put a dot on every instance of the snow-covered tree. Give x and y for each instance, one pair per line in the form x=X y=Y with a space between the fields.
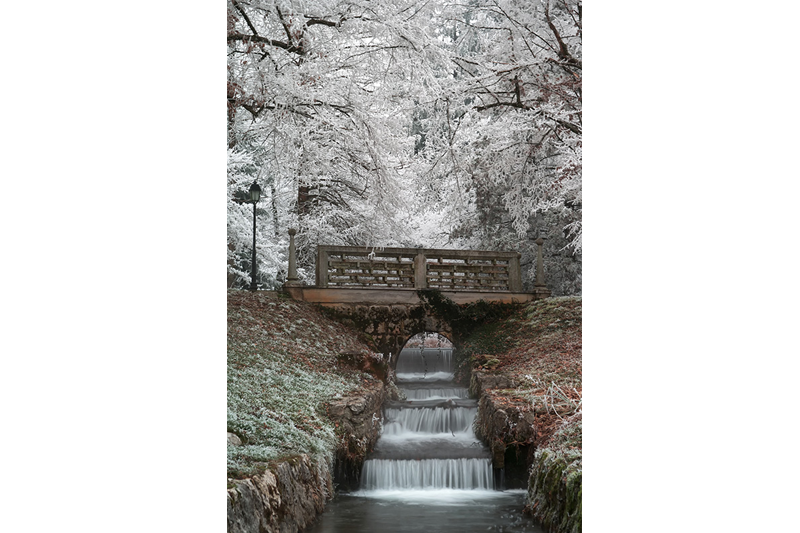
x=505 y=137
x=320 y=99
x=397 y=122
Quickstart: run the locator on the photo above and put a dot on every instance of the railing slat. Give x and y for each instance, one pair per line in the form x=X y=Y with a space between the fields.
x=354 y=267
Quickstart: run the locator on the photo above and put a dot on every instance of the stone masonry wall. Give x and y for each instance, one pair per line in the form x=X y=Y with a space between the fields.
x=507 y=427
x=286 y=498
x=387 y=327
x=358 y=422
x=555 y=492
x=553 y=481
x=289 y=495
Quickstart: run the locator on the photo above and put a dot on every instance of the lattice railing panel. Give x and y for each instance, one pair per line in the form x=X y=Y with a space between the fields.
x=415 y=268
x=359 y=269
x=467 y=274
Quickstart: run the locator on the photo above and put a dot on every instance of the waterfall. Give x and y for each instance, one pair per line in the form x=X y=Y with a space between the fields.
x=435 y=393
x=427 y=440
x=429 y=420
x=427 y=474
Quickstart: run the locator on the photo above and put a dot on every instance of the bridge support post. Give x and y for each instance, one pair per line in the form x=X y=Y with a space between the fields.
x=514 y=274
x=539 y=287
x=291 y=279
x=322 y=267
x=420 y=270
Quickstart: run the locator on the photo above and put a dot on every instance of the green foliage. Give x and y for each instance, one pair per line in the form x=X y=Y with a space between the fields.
x=554 y=313
x=275 y=409
x=442 y=305
x=478 y=327
x=555 y=490
x=487 y=339
x=465 y=318
x=568 y=437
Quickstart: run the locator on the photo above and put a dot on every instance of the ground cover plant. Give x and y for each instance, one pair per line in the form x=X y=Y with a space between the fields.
x=539 y=348
x=537 y=352
x=284 y=364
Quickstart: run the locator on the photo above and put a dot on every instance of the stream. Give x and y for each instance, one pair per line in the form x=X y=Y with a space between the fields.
x=428 y=471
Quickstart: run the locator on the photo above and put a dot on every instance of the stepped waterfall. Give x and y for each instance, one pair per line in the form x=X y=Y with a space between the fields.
x=427 y=440
x=428 y=471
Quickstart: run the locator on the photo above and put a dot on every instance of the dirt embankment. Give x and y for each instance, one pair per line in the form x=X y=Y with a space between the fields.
x=526 y=371
x=304 y=407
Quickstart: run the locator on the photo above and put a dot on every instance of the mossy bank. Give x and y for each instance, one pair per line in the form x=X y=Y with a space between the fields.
x=300 y=409
x=526 y=371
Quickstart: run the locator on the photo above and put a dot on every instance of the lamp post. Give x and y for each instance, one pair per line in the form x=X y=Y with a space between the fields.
x=255 y=196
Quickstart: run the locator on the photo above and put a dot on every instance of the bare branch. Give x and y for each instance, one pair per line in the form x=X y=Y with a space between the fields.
x=285 y=26
x=518 y=105
x=570 y=126
x=258 y=39
x=563 y=52
x=323 y=22
x=246 y=18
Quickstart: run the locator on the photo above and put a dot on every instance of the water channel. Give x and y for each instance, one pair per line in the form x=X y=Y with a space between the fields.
x=428 y=472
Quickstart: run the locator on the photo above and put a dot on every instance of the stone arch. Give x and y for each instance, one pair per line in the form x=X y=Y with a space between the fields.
x=395 y=364
x=447 y=335
x=427 y=324
x=388 y=327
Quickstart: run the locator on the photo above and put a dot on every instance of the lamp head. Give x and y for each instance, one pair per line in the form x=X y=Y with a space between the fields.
x=255 y=192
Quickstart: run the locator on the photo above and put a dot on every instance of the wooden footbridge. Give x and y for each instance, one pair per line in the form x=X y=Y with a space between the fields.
x=375 y=289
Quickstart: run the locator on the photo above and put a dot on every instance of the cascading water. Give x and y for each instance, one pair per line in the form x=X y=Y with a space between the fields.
x=428 y=472
x=427 y=440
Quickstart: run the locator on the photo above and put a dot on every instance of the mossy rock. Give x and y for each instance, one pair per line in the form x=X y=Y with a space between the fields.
x=555 y=491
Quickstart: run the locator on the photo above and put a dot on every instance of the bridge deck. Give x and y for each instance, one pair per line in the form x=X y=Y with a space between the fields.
x=397 y=296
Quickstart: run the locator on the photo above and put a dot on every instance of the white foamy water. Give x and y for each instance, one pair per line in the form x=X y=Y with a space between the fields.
x=428 y=471
x=425 y=360
x=463 y=439
x=435 y=394
x=428 y=447
x=428 y=420
x=391 y=474
x=403 y=377
x=437 y=496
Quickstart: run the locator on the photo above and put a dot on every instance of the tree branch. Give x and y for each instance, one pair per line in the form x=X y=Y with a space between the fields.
x=285 y=26
x=311 y=21
x=563 y=52
x=258 y=39
x=518 y=105
x=570 y=126
x=246 y=18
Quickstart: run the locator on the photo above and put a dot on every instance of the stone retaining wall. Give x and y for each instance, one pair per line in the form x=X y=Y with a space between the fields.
x=290 y=494
x=358 y=421
x=552 y=479
x=507 y=428
x=286 y=498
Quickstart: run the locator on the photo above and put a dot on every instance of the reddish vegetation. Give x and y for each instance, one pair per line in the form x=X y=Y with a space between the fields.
x=539 y=349
x=262 y=318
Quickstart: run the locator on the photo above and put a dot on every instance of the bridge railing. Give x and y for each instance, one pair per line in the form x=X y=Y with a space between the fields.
x=418 y=268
